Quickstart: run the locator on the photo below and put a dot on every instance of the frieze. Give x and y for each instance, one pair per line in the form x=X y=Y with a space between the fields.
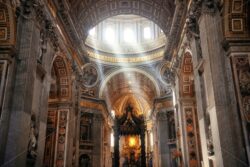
x=48 y=29
x=63 y=13
x=88 y=92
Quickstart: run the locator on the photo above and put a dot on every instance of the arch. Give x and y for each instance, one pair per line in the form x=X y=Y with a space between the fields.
x=60 y=93
x=139 y=103
x=62 y=86
x=122 y=70
x=84 y=160
x=89 y=13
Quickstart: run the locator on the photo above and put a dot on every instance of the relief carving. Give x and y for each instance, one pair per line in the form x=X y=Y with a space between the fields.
x=244 y=85
x=90 y=75
x=169 y=76
x=244 y=78
x=62 y=129
x=192 y=29
x=246 y=107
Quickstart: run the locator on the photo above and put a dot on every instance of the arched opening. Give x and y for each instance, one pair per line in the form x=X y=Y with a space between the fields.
x=84 y=161
x=124 y=86
x=56 y=130
x=129 y=136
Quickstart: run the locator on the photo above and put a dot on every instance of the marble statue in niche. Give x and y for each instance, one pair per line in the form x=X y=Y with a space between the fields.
x=43 y=46
x=86 y=126
x=244 y=85
x=192 y=27
x=171 y=125
x=32 y=146
x=89 y=75
x=84 y=161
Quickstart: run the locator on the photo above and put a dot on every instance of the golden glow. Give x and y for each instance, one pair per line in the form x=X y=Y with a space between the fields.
x=132 y=141
x=132 y=59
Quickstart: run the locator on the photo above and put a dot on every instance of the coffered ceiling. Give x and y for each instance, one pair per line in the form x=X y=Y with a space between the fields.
x=87 y=13
x=130 y=84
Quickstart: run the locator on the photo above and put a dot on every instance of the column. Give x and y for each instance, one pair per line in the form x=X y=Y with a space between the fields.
x=20 y=119
x=97 y=140
x=116 y=145
x=221 y=108
x=164 y=152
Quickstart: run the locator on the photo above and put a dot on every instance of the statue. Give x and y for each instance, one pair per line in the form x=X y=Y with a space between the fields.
x=32 y=146
x=43 y=47
x=168 y=76
x=192 y=27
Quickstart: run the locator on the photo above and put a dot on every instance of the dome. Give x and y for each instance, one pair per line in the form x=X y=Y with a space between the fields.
x=126 y=38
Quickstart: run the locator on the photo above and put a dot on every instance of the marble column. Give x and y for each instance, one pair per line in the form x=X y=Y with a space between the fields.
x=220 y=106
x=19 y=127
x=200 y=96
x=163 y=149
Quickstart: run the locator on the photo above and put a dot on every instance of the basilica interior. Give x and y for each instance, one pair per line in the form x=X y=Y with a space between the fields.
x=124 y=83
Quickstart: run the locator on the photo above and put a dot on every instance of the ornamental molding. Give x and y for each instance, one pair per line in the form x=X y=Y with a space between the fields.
x=26 y=8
